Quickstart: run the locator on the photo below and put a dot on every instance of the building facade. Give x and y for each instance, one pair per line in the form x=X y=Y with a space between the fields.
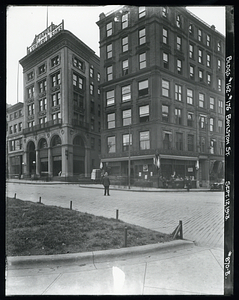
x=14 y=140
x=162 y=91
x=61 y=127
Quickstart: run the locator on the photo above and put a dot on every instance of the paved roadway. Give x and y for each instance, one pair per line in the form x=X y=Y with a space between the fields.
x=201 y=212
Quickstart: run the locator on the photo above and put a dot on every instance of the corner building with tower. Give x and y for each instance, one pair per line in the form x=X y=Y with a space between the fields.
x=162 y=89
x=61 y=127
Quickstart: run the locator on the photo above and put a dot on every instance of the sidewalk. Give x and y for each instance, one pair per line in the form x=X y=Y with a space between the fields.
x=174 y=268
x=99 y=186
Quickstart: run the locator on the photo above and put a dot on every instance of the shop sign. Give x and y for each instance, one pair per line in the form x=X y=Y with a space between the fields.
x=45 y=36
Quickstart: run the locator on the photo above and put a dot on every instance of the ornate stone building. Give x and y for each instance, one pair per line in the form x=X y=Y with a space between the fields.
x=61 y=127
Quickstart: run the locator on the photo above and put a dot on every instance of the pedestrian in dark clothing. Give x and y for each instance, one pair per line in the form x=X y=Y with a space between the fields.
x=106 y=184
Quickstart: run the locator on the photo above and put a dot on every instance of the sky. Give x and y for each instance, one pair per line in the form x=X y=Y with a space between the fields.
x=24 y=22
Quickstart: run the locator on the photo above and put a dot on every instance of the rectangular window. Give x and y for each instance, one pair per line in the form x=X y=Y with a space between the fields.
x=42 y=86
x=191 y=51
x=165 y=113
x=219 y=64
x=179 y=43
x=220 y=126
x=91 y=72
x=127 y=140
x=220 y=107
x=221 y=149
x=42 y=120
x=178 y=92
x=199 y=35
x=109 y=71
x=202 y=122
x=92 y=106
x=190 y=142
x=200 y=75
x=20 y=126
x=31 y=109
x=208 y=40
x=189 y=96
x=98 y=77
x=125 y=67
x=144 y=113
x=212 y=146
x=15 y=114
x=92 y=143
x=91 y=89
x=30 y=75
x=111 y=120
x=142 y=36
x=126 y=117
x=179 y=141
x=165 y=60
x=109 y=29
x=30 y=92
x=167 y=140
x=42 y=69
x=191 y=72
x=10 y=130
x=77 y=63
x=31 y=124
x=208 y=60
x=111 y=144
x=178 y=116
x=142 y=11
x=202 y=144
x=15 y=128
x=164 y=12
x=165 y=88
x=56 y=99
x=211 y=124
x=55 y=61
x=219 y=48
x=201 y=100
x=165 y=36
x=126 y=93
x=144 y=140
x=200 y=56
x=142 y=60
x=179 y=66
x=56 y=79
x=125 y=44
x=178 y=21
x=143 y=88
x=212 y=103
x=20 y=113
x=219 y=82
x=125 y=20
x=92 y=123
x=109 y=50
x=110 y=97
x=209 y=79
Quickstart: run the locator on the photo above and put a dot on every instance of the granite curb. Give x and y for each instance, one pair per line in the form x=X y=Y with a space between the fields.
x=96 y=256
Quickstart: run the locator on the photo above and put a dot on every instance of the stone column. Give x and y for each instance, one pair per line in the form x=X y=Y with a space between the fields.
x=87 y=161
x=207 y=171
x=49 y=162
x=37 y=164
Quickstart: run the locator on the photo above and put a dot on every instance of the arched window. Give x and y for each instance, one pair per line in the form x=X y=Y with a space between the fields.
x=42 y=144
x=78 y=141
x=56 y=140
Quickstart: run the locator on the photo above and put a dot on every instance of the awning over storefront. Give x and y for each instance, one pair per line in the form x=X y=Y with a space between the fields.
x=149 y=156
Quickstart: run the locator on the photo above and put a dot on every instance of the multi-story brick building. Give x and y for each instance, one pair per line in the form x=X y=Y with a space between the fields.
x=61 y=106
x=162 y=71
x=14 y=140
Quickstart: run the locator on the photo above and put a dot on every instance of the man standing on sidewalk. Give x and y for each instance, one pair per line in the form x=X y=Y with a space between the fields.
x=106 y=184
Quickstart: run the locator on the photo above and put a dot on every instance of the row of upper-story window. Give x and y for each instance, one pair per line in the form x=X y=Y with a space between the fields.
x=144 y=142
x=77 y=80
x=143 y=116
x=15 y=128
x=55 y=61
x=202 y=75
x=191 y=97
x=193 y=31
x=16 y=114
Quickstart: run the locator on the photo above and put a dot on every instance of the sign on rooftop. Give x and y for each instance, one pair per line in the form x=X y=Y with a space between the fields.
x=45 y=36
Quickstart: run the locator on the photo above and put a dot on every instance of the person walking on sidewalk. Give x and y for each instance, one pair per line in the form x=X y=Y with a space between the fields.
x=106 y=184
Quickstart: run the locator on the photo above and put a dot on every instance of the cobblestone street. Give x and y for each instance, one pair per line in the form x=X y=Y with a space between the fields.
x=201 y=212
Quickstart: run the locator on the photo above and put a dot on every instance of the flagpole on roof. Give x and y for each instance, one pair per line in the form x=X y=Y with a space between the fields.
x=47 y=17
